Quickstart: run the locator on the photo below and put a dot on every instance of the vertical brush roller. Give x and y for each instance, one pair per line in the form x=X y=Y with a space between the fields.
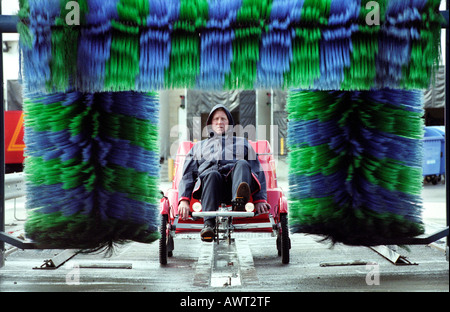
x=92 y=168
x=317 y=154
x=355 y=164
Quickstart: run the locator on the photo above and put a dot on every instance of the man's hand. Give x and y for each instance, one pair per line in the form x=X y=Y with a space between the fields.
x=262 y=208
x=183 y=209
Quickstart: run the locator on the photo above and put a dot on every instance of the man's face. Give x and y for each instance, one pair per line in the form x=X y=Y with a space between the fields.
x=219 y=122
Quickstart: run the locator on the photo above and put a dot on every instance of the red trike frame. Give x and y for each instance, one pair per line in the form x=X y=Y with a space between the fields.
x=275 y=222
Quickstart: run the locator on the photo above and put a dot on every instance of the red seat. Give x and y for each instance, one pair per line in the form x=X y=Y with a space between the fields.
x=265 y=156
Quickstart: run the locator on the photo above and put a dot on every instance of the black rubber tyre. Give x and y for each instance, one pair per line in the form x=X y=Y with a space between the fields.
x=170 y=246
x=163 y=240
x=285 y=242
x=279 y=244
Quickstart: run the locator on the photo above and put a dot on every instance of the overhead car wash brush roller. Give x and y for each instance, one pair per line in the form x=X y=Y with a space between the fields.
x=144 y=45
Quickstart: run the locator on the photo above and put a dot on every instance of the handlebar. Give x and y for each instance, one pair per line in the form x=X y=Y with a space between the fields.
x=234 y=214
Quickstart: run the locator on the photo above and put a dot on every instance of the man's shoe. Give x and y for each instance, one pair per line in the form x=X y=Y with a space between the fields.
x=207 y=234
x=242 y=197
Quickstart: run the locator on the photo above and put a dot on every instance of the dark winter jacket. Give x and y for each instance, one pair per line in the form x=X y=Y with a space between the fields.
x=220 y=153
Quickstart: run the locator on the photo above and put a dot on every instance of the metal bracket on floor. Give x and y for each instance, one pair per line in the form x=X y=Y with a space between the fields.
x=389 y=253
x=58 y=260
x=343 y=263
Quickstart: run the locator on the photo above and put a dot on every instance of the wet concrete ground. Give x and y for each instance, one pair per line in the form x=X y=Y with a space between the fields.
x=135 y=267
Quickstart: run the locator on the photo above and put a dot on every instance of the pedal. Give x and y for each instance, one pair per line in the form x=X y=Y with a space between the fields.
x=207 y=239
x=238 y=204
x=207 y=234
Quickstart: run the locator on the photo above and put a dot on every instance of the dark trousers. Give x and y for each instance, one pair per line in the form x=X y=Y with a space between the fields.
x=218 y=189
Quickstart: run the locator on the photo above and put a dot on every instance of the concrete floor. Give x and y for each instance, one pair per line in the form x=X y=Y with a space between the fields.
x=304 y=273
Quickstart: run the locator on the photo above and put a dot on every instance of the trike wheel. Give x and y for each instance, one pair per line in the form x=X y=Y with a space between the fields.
x=163 y=240
x=285 y=242
x=170 y=246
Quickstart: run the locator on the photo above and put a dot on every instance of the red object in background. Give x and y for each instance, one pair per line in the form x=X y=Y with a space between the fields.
x=14 y=145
